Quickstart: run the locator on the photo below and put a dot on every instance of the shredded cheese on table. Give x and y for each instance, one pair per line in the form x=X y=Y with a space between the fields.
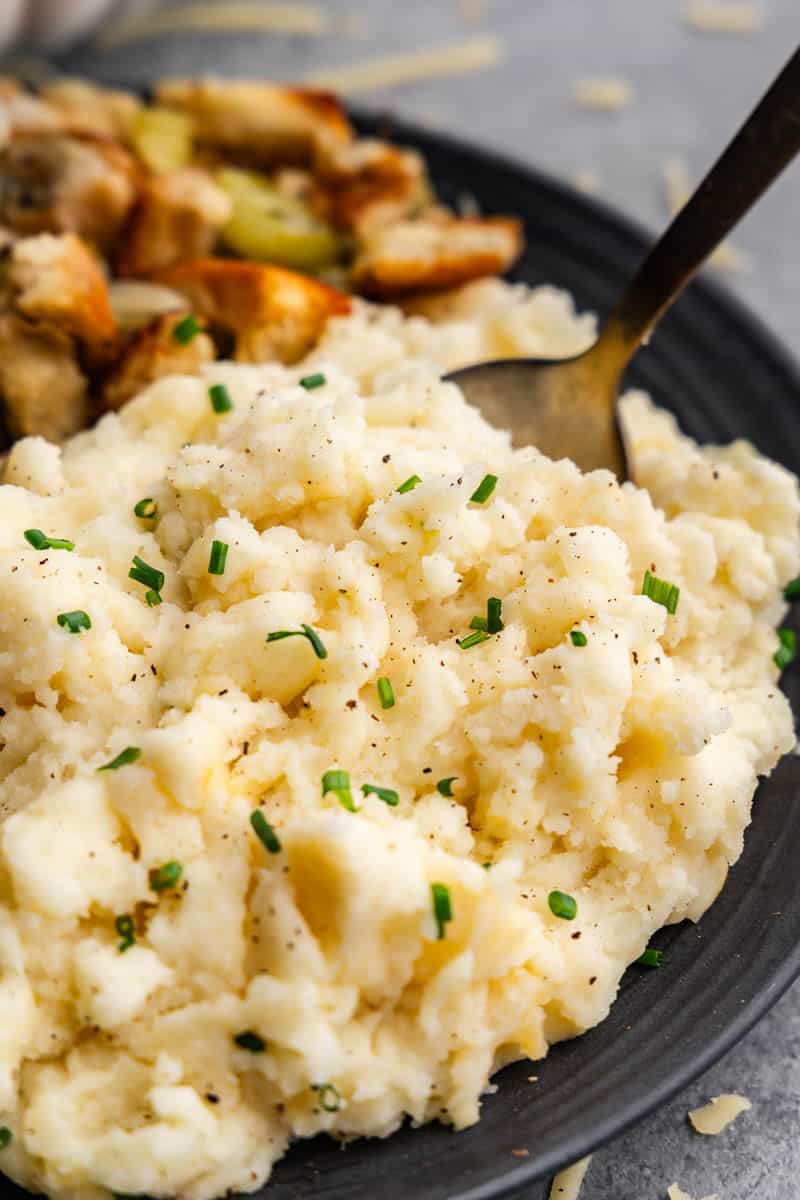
x=604 y=94
x=718 y=1114
x=723 y=16
x=476 y=54
x=294 y=18
x=567 y=1184
x=677 y=1193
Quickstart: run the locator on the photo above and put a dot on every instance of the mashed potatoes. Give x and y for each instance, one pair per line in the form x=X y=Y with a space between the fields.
x=178 y=999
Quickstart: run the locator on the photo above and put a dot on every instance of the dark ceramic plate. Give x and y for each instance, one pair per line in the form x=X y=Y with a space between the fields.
x=724 y=376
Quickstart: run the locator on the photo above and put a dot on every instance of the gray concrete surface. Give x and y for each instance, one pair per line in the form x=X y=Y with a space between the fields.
x=691 y=91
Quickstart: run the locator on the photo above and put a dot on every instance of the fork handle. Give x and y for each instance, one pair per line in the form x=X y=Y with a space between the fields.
x=765 y=144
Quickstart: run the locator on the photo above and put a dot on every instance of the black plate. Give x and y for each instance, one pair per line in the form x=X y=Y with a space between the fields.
x=724 y=376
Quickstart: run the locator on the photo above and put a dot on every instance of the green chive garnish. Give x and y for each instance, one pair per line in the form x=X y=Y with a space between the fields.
x=40 y=541
x=787 y=650
x=562 y=905
x=146 y=510
x=220 y=398
x=186 y=329
x=306 y=632
x=491 y=623
x=494 y=622
x=442 y=907
x=577 y=638
x=474 y=639
x=123 y=759
x=125 y=928
x=329 y=1098
x=484 y=489
x=338 y=782
x=6 y=1137
x=651 y=958
x=217 y=558
x=163 y=878
x=409 y=484
x=445 y=786
x=385 y=693
x=247 y=1040
x=661 y=592
x=309 y=382
x=142 y=572
x=487 y=866
x=387 y=795
x=264 y=831
x=74 y=621
x=792 y=590
x=152 y=598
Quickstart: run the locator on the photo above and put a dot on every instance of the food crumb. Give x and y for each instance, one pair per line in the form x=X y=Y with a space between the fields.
x=521 y=1153
x=719 y=1113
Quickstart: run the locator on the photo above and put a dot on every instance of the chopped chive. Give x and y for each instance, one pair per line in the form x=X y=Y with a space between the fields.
x=125 y=928
x=484 y=489
x=651 y=958
x=220 y=398
x=409 y=484
x=146 y=510
x=792 y=589
x=387 y=795
x=306 y=632
x=487 y=866
x=40 y=541
x=474 y=639
x=329 y=1098
x=74 y=621
x=217 y=558
x=660 y=591
x=264 y=831
x=385 y=692
x=163 y=878
x=6 y=1137
x=562 y=905
x=123 y=759
x=494 y=621
x=479 y=623
x=787 y=650
x=186 y=330
x=152 y=598
x=309 y=382
x=338 y=782
x=442 y=907
x=445 y=786
x=247 y=1040
x=142 y=572
x=577 y=638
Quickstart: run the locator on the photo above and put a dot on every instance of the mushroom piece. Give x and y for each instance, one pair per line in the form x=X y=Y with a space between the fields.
x=59 y=281
x=178 y=217
x=256 y=122
x=56 y=183
x=42 y=389
x=437 y=251
x=274 y=313
x=152 y=353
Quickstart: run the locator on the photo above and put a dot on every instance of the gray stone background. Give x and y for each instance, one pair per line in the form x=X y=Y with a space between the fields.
x=691 y=92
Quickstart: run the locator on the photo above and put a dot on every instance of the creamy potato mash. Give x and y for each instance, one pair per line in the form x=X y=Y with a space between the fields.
x=183 y=988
